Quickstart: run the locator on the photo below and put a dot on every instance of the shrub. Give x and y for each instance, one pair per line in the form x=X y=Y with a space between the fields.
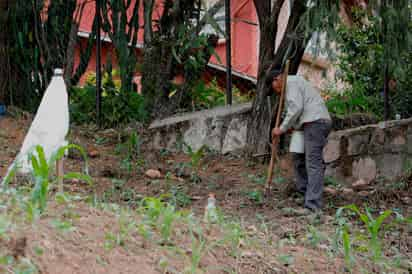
x=361 y=64
x=209 y=95
x=117 y=107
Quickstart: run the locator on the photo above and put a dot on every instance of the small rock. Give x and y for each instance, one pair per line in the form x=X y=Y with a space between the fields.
x=252 y=230
x=251 y=254
x=406 y=200
x=247 y=254
x=347 y=191
x=153 y=174
x=323 y=247
x=288 y=211
x=331 y=191
x=93 y=153
x=364 y=193
x=328 y=219
x=75 y=181
x=360 y=184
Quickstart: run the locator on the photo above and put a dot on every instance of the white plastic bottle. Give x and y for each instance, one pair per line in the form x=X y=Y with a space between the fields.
x=210 y=209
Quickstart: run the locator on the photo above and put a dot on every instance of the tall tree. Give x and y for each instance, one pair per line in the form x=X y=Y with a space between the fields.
x=123 y=32
x=291 y=46
x=307 y=17
x=174 y=45
x=42 y=36
x=4 y=50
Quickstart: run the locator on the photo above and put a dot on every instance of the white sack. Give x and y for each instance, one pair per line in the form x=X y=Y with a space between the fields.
x=50 y=125
x=297 y=142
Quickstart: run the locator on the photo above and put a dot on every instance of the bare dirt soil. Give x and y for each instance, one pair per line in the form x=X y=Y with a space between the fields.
x=302 y=245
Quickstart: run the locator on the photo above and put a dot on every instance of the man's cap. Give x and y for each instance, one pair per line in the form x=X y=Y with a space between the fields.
x=274 y=73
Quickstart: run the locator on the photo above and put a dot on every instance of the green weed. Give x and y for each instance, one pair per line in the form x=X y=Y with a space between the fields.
x=257 y=179
x=314 y=237
x=179 y=196
x=286 y=259
x=63 y=225
x=256 y=196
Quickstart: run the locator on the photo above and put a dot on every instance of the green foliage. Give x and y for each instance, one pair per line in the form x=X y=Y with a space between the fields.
x=179 y=196
x=209 y=95
x=195 y=155
x=364 y=52
x=118 y=193
x=124 y=37
x=191 y=50
x=352 y=101
x=256 y=196
x=39 y=44
x=63 y=225
x=314 y=237
x=161 y=215
x=198 y=248
x=131 y=151
x=42 y=175
x=373 y=226
x=118 y=107
x=347 y=250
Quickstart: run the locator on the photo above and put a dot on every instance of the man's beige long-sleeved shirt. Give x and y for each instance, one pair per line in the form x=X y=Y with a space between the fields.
x=303 y=104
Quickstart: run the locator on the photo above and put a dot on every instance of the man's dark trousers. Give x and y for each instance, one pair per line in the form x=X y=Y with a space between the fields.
x=310 y=167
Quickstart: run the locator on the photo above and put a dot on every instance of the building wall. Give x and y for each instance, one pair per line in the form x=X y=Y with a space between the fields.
x=245 y=43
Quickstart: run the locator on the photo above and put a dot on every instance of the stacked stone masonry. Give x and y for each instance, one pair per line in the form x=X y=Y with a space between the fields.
x=367 y=152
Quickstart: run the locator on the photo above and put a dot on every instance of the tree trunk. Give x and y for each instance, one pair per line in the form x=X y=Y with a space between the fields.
x=4 y=68
x=263 y=108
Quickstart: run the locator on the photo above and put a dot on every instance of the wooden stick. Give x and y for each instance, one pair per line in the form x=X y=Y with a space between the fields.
x=59 y=174
x=274 y=155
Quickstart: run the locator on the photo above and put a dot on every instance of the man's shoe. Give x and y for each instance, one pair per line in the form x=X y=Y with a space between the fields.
x=303 y=211
x=315 y=216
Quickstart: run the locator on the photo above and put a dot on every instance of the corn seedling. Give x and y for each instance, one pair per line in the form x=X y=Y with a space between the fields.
x=373 y=226
x=195 y=160
x=131 y=150
x=168 y=217
x=63 y=225
x=151 y=208
x=42 y=172
x=347 y=248
x=119 y=238
x=196 y=156
x=198 y=248
x=145 y=232
x=233 y=235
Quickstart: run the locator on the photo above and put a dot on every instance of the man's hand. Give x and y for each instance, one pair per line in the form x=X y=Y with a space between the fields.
x=276 y=132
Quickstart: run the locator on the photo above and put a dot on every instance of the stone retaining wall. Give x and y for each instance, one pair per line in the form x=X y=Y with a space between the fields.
x=222 y=129
x=368 y=152
x=359 y=153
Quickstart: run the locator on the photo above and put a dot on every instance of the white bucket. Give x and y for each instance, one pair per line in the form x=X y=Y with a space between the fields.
x=297 y=142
